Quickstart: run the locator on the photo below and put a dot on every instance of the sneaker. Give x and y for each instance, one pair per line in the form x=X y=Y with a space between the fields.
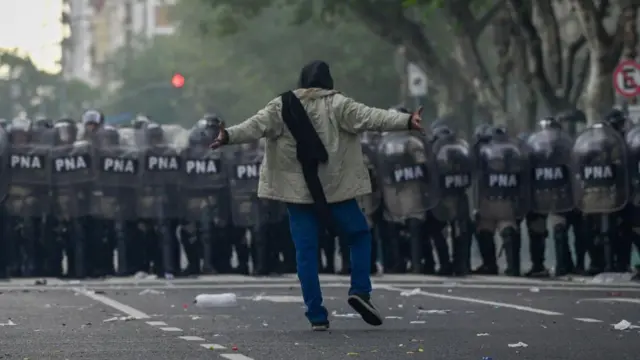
x=324 y=326
x=362 y=305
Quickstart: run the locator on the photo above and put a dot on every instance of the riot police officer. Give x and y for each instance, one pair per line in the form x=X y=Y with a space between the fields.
x=502 y=196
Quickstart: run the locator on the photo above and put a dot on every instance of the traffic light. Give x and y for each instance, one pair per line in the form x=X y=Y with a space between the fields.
x=177 y=80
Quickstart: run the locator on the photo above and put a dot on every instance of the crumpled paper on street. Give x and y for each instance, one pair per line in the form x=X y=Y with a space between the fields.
x=8 y=323
x=413 y=292
x=625 y=325
x=151 y=292
x=519 y=344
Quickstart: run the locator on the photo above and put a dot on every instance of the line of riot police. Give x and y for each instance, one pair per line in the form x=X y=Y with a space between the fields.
x=88 y=192
x=435 y=188
x=144 y=192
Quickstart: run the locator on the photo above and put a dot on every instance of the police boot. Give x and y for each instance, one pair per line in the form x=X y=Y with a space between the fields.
x=561 y=242
x=345 y=255
x=623 y=250
x=537 y=247
x=260 y=248
x=242 y=252
x=394 y=261
x=418 y=242
x=487 y=247
x=512 y=243
x=461 y=234
x=442 y=252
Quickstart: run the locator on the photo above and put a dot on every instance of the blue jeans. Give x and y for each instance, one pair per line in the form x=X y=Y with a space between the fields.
x=304 y=231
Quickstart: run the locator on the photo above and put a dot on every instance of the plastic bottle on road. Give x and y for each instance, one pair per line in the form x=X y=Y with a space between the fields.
x=216 y=300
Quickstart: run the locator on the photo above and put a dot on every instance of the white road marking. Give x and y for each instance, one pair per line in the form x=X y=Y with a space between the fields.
x=295 y=287
x=157 y=323
x=588 y=320
x=480 y=301
x=213 y=346
x=175 y=329
x=235 y=357
x=113 y=303
x=191 y=338
x=613 y=299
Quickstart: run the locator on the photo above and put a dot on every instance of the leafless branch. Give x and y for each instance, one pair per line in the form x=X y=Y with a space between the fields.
x=552 y=44
x=569 y=60
x=582 y=76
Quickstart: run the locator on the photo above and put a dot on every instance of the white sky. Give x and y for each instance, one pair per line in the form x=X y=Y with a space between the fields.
x=34 y=27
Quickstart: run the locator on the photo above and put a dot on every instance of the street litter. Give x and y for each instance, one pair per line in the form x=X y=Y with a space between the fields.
x=151 y=292
x=119 y=318
x=625 y=325
x=393 y=317
x=438 y=312
x=348 y=315
x=194 y=317
x=534 y=290
x=518 y=345
x=482 y=334
x=413 y=292
x=8 y=323
x=418 y=322
x=216 y=300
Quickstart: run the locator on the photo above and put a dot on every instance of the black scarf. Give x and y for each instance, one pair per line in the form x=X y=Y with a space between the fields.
x=310 y=152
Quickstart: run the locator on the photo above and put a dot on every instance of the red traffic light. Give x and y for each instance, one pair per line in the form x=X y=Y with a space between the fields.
x=177 y=80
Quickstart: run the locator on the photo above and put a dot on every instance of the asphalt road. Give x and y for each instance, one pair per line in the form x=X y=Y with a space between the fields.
x=426 y=318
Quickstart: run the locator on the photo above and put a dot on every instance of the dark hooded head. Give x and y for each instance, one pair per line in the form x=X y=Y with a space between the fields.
x=316 y=74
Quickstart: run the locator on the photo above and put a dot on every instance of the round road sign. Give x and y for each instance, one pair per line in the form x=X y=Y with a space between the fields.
x=626 y=78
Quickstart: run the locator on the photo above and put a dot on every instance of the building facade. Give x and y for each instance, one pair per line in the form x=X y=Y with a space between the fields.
x=98 y=29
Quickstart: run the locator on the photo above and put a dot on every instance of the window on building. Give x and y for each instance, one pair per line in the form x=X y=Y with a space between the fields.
x=162 y=16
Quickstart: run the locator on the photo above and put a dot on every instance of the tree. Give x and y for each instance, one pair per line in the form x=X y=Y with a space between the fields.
x=456 y=67
x=266 y=52
x=145 y=83
x=37 y=93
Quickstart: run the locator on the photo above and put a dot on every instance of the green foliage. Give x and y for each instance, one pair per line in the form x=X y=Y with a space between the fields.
x=146 y=82
x=25 y=88
x=239 y=68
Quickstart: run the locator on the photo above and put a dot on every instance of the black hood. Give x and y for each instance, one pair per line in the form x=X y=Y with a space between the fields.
x=316 y=74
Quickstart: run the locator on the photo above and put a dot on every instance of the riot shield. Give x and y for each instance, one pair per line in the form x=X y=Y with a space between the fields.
x=454 y=166
x=633 y=147
x=409 y=181
x=118 y=177
x=599 y=161
x=29 y=180
x=370 y=203
x=204 y=185
x=161 y=168
x=550 y=161
x=502 y=184
x=4 y=165
x=244 y=175
x=72 y=176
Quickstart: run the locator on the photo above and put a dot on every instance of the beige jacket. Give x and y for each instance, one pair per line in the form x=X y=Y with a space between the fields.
x=338 y=120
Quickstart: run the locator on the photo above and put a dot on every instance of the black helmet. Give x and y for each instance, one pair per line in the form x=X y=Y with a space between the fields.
x=140 y=121
x=66 y=130
x=482 y=133
x=43 y=123
x=92 y=117
x=154 y=133
x=549 y=122
x=616 y=119
x=209 y=120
